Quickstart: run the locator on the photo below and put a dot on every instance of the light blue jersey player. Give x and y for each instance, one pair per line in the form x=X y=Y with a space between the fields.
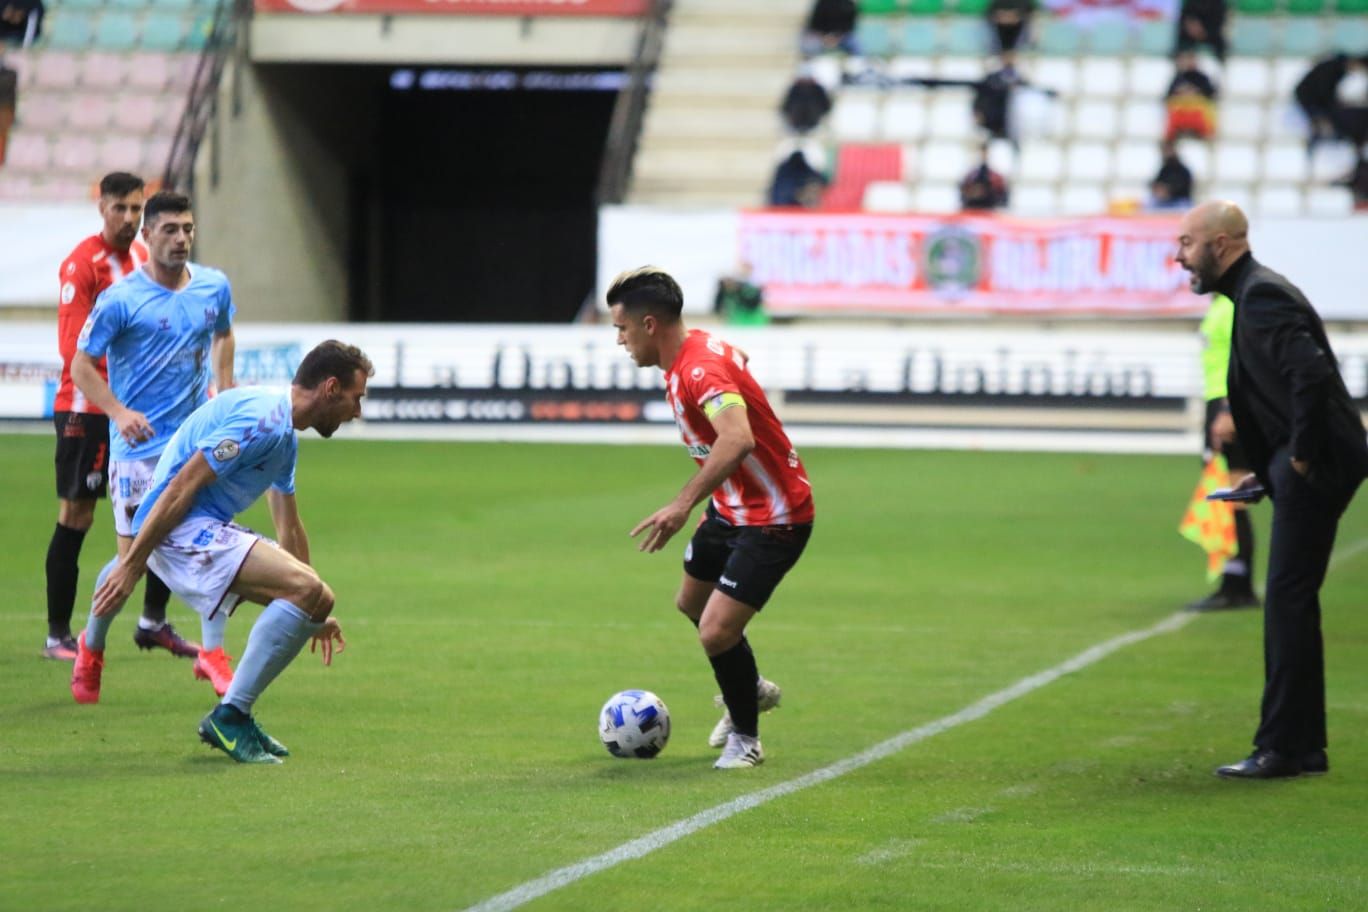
x=228 y=453
x=161 y=328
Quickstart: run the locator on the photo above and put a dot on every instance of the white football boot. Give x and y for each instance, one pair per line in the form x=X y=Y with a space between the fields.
x=741 y=752
x=767 y=693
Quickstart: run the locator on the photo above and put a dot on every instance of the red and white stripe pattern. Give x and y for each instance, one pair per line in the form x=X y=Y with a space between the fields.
x=91 y=268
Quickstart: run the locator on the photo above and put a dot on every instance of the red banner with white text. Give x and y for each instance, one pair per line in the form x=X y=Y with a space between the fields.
x=460 y=7
x=815 y=263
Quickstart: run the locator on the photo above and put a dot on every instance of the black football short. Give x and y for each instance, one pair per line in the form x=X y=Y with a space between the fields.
x=746 y=562
x=1233 y=452
x=82 y=455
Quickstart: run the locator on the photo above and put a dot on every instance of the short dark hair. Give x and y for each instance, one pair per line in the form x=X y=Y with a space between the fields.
x=647 y=290
x=165 y=201
x=332 y=359
x=120 y=184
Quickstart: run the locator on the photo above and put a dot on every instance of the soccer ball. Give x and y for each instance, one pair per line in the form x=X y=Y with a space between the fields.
x=634 y=723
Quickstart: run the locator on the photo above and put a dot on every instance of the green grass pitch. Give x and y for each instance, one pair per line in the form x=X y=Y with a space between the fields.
x=492 y=600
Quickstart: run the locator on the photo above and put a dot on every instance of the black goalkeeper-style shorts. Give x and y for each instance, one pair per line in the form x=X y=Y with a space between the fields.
x=82 y=455
x=745 y=562
x=1233 y=452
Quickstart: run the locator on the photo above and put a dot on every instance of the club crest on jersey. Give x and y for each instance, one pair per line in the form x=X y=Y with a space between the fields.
x=226 y=450
x=696 y=373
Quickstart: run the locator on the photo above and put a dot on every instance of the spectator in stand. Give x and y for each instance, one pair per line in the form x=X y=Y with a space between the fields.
x=738 y=301
x=983 y=188
x=1202 y=22
x=1172 y=186
x=1318 y=96
x=1190 y=100
x=21 y=21
x=805 y=104
x=1009 y=20
x=9 y=84
x=993 y=99
x=796 y=183
x=830 y=27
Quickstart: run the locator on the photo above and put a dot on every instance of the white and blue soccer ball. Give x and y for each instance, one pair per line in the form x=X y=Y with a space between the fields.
x=634 y=723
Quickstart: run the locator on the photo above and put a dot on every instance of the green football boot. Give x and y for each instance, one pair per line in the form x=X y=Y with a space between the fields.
x=269 y=744
x=232 y=732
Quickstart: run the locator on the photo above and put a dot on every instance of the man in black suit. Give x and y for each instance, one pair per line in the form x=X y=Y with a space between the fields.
x=1306 y=445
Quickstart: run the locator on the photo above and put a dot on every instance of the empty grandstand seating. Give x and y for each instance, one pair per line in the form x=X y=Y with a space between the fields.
x=103 y=90
x=1094 y=143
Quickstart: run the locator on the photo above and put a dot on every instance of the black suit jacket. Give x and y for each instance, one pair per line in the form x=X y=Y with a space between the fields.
x=1284 y=385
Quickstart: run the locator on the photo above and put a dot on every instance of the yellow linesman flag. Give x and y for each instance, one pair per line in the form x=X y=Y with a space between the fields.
x=1211 y=523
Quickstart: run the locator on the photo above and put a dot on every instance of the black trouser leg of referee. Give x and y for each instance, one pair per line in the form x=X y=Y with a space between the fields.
x=1305 y=519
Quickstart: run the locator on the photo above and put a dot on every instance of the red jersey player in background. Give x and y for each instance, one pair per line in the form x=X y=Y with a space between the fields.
x=760 y=514
x=82 y=458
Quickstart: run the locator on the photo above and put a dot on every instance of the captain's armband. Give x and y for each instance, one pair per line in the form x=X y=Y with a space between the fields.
x=721 y=402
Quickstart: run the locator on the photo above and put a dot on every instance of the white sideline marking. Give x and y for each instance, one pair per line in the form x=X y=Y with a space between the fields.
x=561 y=877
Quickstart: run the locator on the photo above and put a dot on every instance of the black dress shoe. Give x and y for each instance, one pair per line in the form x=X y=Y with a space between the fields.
x=1262 y=764
x=1224 y=601
x=1315 y=763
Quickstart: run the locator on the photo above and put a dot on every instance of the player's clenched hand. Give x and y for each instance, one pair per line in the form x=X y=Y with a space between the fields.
x=663 y=524
x=115 y=590
x=133 y=426
x=323 y=640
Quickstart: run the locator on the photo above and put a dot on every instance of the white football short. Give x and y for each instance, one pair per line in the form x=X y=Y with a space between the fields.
x=200 y=559
x=129 y=482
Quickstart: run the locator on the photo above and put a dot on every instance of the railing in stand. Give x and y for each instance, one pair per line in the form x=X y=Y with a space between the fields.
x=630 y=108
x=201 y=106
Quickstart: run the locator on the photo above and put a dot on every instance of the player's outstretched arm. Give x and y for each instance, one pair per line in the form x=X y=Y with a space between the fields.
x=85 y=373
x=165 y=515
x=734 y=443
x=288 y=526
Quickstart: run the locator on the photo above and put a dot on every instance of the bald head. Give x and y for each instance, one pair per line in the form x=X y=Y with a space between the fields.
x=1211 y=236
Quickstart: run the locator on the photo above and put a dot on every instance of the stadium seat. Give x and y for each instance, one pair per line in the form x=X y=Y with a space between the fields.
x=1087 y=161
x=960 y=68
x=874 y=37
x=1149 y=77
x=1058 y=36
x=1278 y=200
x=1329 y=201
x=141 y=113
x=1241 y=120
x=1110 y=37
x=70 y=32
x=120 y=153
x=1240 y=194
x=855 y=116
x=1256 y=7
x=971 y=7
x=90 y=112
x=944 y=161
x=1331 y=161
x=919 y=37
x=966 y=37
x=1236 y=162
x=200 y=30
x=103 y=71
x=28 y=153
x=156 y=154
x=878 y=7
x=117 y=32
x=1082 y=199
x=1287 y=72
x=1351 y=35
x=37 y=110
x=1002 y=157
x=950 y=115
x=75 y=153
x=1102 y=77
x=1285 y=162
x=937 y=198
x=923 y=7
x=1252 y=37
x=826 y=70
x=1302 y=37
x=1246 y=77
x=1351 y=7
x=149 y=71
x=887 y=196
x=1307 y=7
x=163 y=32
x=173 y=4
x=1042 y=161
x=1034 y=199
x=55 y=70
x=1096 y=120
x=1057 y=73
x=1155 y=37
x=1197 y=156
x=1142 y=120
x=78 y=5
x=1137 y=162
x=905 y=67
x=904 y=116
x=134 y=5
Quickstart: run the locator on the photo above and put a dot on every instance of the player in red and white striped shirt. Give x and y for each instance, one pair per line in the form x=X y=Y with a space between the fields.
x=82 y=429
x=759 y=518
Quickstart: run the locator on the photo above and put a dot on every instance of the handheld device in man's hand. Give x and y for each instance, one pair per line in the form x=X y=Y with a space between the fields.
x=1238 y=495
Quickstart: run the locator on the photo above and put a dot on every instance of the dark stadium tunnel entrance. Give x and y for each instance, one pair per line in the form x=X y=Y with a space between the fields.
x=467 y=195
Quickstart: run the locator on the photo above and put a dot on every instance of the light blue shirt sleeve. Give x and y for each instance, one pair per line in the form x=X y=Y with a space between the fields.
x=106 y=321
x=285 y=481
x=226 y=310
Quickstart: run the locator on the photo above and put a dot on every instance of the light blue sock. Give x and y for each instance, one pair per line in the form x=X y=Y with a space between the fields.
x=97 y=627
x=212 y=629
x=276 y=638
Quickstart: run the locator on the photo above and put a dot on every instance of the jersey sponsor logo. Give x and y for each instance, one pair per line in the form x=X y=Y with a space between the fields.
x=68 y=292
x=715 y=346
x=226 y=450
x=204 y=538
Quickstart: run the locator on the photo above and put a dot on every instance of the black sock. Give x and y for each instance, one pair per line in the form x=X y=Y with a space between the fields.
x=1244 y=543
x=63 y=570
x=155 y=596
x=736 y=675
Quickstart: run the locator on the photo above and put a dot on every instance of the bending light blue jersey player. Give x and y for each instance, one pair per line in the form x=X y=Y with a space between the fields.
x=232 y=450
x=158 y=342
x=248 y=441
